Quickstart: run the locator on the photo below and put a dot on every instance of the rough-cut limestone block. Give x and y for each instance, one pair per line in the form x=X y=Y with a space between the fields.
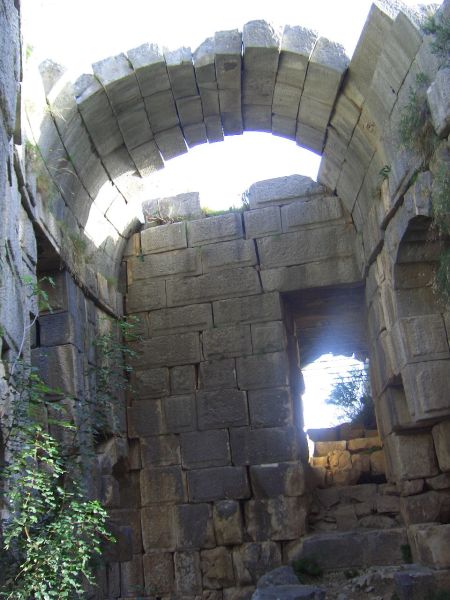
x=160 y=451
x=228 y=61
x=189 y=110
x=440 y=482
x=225 y=255
x=179 y=413
x=284 y=126
x=165 y=264
x=205 y=74
x=147 y=158
x=60 y=367
x=134 y=125
x=424 y=508
x=145 y=418
x=426 y=388
x=182 y=206
x=161 y=110
x=311 y=212
x=98 y=115
x=268 y=337
x=119 y=80
x=262 y=222
x=411 y=456
x=441 y=438
x=430 y=545
x=310 y=245
x=151 y=383
x=259 y=446
x=158 y=527
x=310 y=138
x=325 y=448
x=205 y=449
x=214 y=129
x=171 y=143
x=282 y=190
x=195 y=134
x=150 y=68
x=227 y=342
x=275 y=518
x=279 y=479
x=421 y=337
x=438 y=95
x=57 y=329
x=132 y=577
x=270 y=407
x=162 y=484
x=177 y=320
x=218 y=483
x=215 y=229
x=367 y=443
x=217 y=374
x=221 y=408
x=264 y=371
x=228 y=524
x=253 y=560
x=181 y=72
x=188 y=579
x=217 y=568
x=378 y=463
x=183 y=379
x=213 y=286
x=164 y=238
x=265 y=307
x=158 y=573
x=145 y=295
x=194 y=526
x=168 y=351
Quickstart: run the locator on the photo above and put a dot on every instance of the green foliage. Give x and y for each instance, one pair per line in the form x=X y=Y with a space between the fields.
x=307 y=569
x=352 y=396
x=440 y=29
x=37 y=291
x=415 y=129
x=406 y=553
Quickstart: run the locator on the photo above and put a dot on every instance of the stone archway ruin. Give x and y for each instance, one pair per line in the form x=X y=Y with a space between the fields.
x=194 y=463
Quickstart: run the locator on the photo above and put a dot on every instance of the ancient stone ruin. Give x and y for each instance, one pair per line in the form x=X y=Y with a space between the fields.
x=203 y=464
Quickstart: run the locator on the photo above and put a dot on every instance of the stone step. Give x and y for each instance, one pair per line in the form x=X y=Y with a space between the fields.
x=355 y=549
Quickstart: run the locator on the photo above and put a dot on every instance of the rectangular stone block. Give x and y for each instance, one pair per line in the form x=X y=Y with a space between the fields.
x=280 y=479
x=162 y=484
x=265 y=307
x=228 y=525
x=268 y=337
x=188 y=577
x=167 y=264
x=411 y=456
x=179 y=413
x=421 y=337
x=262 y=222
x=205 y=449
x=217 y=374
x=282 y=190
x=261 y=446
x=213 y=286
x=158 y=573
x=145 y=295
x=161 y=110
x=177 y=320
x=297 y=248
x=221 y=408
x=158 y=528
x=171 y=143
x=215 y=229
x=441 y=438
x=181 y=72
x=217 y=568
x=160 y=451
x=164 y=238
x=228 y=59
x=168 y=351
x=311 y=212
x=183 y=379
x=226 y=255
x=194 y=526
x=276 y=518
x=150 y=68
x=150 y=383
x=60 y=367
x=325 y=448
x=57 y=329
x=270 y=407
x=206 y=485
x=252 y=560
x=132 y=577
x=426 y=388
x=263 y=371
x=226 y=342
x=297 y=44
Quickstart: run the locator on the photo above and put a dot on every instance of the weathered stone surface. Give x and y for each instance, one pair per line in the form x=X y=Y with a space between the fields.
x=270 y=407
x=411 y=456
x=162 y=114
x=310 y=212
x=182 y=379
x=158 y=528
x=59 y=367
x=262 y=222
x=164 y=264
x=217 y=374
x=188 y=579
x=228 y=47
x=430 y=545
x=171 y=143
x=290 y=592
x=158 y=573
x=227 y=342
x=438 y=95
x=279 y=479
x=283 y=190
x=132 y=577
x=160 y=450
x=151 y=383
x=179 y=413
x=252 y=560
x=268 y=337
x=213 y=286
x=194 y=526
x=324 y=448
x=366 y=443
x=145 y=295
x=425 y=508
x=221 y=408
x=217 y=568
x=218 y=483
x=264 y=371
x=215 y=229
x=264 y=307
x=279 y=576
x=378 y=463
x=226 y=255
x=441 y=438
x=177 y=320
x=145 y=418
x=205 y=449
x=260 y=446
x=162 y=484
x=168 y=351
x=276 y=518
x=164 y=238
x=228 y=524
